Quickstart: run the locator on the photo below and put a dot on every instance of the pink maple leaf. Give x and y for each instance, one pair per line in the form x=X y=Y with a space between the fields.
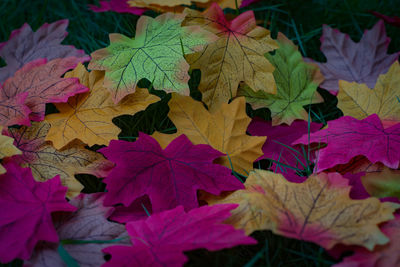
x=138 y=210
x=170 y=177
x=395 y=20
x=359 y=62
x=25 y=46
x=279 y=136
x=25 y=211
x=382 y=255
x=119 y=6
x=41 y=82
x=161 y=239
x=89 y=223
x=348 y=137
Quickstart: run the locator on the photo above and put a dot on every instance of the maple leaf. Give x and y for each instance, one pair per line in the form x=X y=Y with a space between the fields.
x=120 y=6
x=161 y=239
x=169 y=177
x=41 y=80
x=156 y=53
x=25 y=211
x=223 y=129
x=139 y=209
x=88 y=117
x=280 y=136
x=318 y=210
x=237 y=55
x=46 y=161
x=385 y=183
x=395 y=20
x=14 y=111
x=359 y=101
x=354 y=62
x=88 y=223
x=383 y=255
x=177 y=5
x=367 y=137
x=7 y=149
x=296 y=85
x=25 y=46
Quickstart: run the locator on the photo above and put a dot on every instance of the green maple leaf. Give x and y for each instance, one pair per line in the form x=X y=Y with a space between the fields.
x=156 y=53
x=295 y=87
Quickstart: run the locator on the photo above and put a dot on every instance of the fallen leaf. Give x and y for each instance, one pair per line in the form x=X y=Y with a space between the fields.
x=88 y=223
x=7 y=149
x=295 y=83
x=223 y=129
x=42 y=81
x=156 y=53
x=278 y=146
x=384 y=255
x=177 y=6
x=385 y=183
x=395 y=20
x=139 y=209
x=119 y=6
x=169 y=177
x=359 y=101
x=25 y=46
x=237 y=55
x=318 y=210
x=161 y=239
x=13 y=111
x=88 y=117
x=359 y=62
x=365 y=137
x=46 y=161
x=26 y=208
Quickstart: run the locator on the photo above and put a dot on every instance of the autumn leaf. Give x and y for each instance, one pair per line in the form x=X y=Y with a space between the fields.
x=223 y=129
x=161 y=239
x=25 y=46
x=46 y=161
x=119 y=6
x=42 y=82
x=395 y=20
x=88 y=223
x=318 y=210
x=278 y=146
x=359 y=62
x=7 y=149
x=366 y=137
x=156 y=53
x=169 y=177
x=359 y=101
x=177 y=5
x=88 y=117
x=385 y=183
x=295 y=83
x=25 y=211
x=236 y=56
x=381 y=256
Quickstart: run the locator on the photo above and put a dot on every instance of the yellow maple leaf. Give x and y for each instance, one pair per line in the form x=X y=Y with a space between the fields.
x=7 y=149
x=318 y=210
x=47 y=162
x=359 y=101
x=236 y=56
x=382 y=183
x=223 y=129
x=176 y=5
x=88 y=116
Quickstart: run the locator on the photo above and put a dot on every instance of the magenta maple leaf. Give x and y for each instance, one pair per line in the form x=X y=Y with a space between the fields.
x=395 y=20
x=24 y=46
x=357 y=190
x=89 y=223
x=42 y=82
x=348 y=137
x=119 y=6
x=170 y=177
x=279 y=136
x=138 y=210
x=25 y=211
x=359 y=62
x=13 y=110
x=246 y=3
x=161 y=239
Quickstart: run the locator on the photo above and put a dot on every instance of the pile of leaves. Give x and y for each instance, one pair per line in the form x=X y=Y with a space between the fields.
x=160 y=195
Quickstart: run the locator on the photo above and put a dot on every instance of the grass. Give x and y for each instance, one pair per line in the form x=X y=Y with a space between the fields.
x=300 y=21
